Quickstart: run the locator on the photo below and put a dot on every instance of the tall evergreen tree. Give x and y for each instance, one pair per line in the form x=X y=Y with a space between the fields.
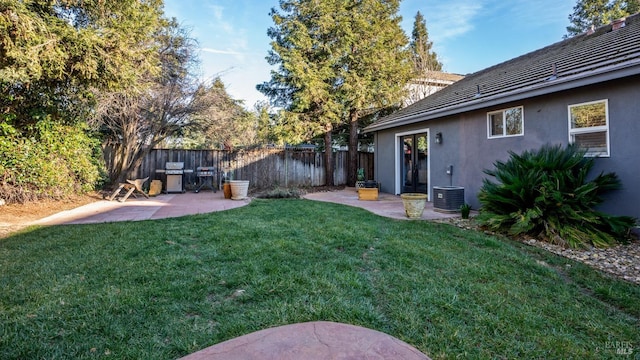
x=377 y=67
x=305 y=79
x=587 y=13
x=338 y=60
x=425 y=62
x=424 y=59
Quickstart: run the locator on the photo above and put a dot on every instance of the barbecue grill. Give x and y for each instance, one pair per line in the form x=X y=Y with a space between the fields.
x=205 y=176
x=174 y=172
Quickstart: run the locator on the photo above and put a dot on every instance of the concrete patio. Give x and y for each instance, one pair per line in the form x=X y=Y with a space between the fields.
x=189 y=203
x=387 y=205
x=136 y=209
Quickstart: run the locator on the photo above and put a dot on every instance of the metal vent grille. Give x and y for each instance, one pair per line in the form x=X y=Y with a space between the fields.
x=448 y=198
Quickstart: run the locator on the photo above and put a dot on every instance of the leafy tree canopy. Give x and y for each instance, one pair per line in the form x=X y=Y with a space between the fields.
x=335 y=56
x=53 y=52
x=587 y=13
x=222 y=122
x=55 y=55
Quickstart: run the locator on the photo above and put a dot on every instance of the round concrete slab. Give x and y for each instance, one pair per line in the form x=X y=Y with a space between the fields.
x=310 y=341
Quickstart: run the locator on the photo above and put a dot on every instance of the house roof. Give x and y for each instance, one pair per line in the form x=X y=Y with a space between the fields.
x=437 y=77
x=605 y=54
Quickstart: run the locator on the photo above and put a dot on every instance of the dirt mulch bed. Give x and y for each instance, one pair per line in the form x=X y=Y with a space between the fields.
x=14 y=217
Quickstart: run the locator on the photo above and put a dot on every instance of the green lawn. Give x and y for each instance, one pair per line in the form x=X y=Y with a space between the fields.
x=164 y=289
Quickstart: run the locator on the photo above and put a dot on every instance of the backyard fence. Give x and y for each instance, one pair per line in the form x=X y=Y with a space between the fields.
x=264 y=168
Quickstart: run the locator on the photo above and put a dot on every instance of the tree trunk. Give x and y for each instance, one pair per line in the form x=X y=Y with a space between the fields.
x=328 y=156
x=135 y=161
x=126 y=155
x=352 y=165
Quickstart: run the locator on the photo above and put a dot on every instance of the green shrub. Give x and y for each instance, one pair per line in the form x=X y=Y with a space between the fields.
x=53 y=161
x=465 y=210
x=280 y=193
x=547 y=193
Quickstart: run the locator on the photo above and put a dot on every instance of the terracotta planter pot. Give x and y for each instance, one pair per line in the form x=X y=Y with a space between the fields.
x=226 y=189
x=414 y=204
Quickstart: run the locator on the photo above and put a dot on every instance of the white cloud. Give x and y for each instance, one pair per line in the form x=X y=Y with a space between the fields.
x=451 y=19
x=220 y=22
x=222 y=52
x=240 y=77
x=225 y=37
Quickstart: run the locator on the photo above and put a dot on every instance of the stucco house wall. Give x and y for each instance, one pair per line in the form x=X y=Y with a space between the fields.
x=467 y=147
x=601 y=64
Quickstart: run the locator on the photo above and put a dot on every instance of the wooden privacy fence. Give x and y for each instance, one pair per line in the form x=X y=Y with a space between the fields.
x=263 y=168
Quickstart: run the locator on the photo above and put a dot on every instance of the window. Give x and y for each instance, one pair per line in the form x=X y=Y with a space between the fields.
x=507 y=122
x=589 y=127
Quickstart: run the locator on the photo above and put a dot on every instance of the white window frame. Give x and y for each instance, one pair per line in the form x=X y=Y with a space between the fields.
x=504 y=123
x=593 y=129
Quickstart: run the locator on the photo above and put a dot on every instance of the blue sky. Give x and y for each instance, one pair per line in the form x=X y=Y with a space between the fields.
x=467 y=35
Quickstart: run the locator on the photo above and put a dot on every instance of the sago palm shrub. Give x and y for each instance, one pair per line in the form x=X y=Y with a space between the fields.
x=547 y=193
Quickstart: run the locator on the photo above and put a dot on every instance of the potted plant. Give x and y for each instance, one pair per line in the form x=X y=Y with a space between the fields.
x=360 y=181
